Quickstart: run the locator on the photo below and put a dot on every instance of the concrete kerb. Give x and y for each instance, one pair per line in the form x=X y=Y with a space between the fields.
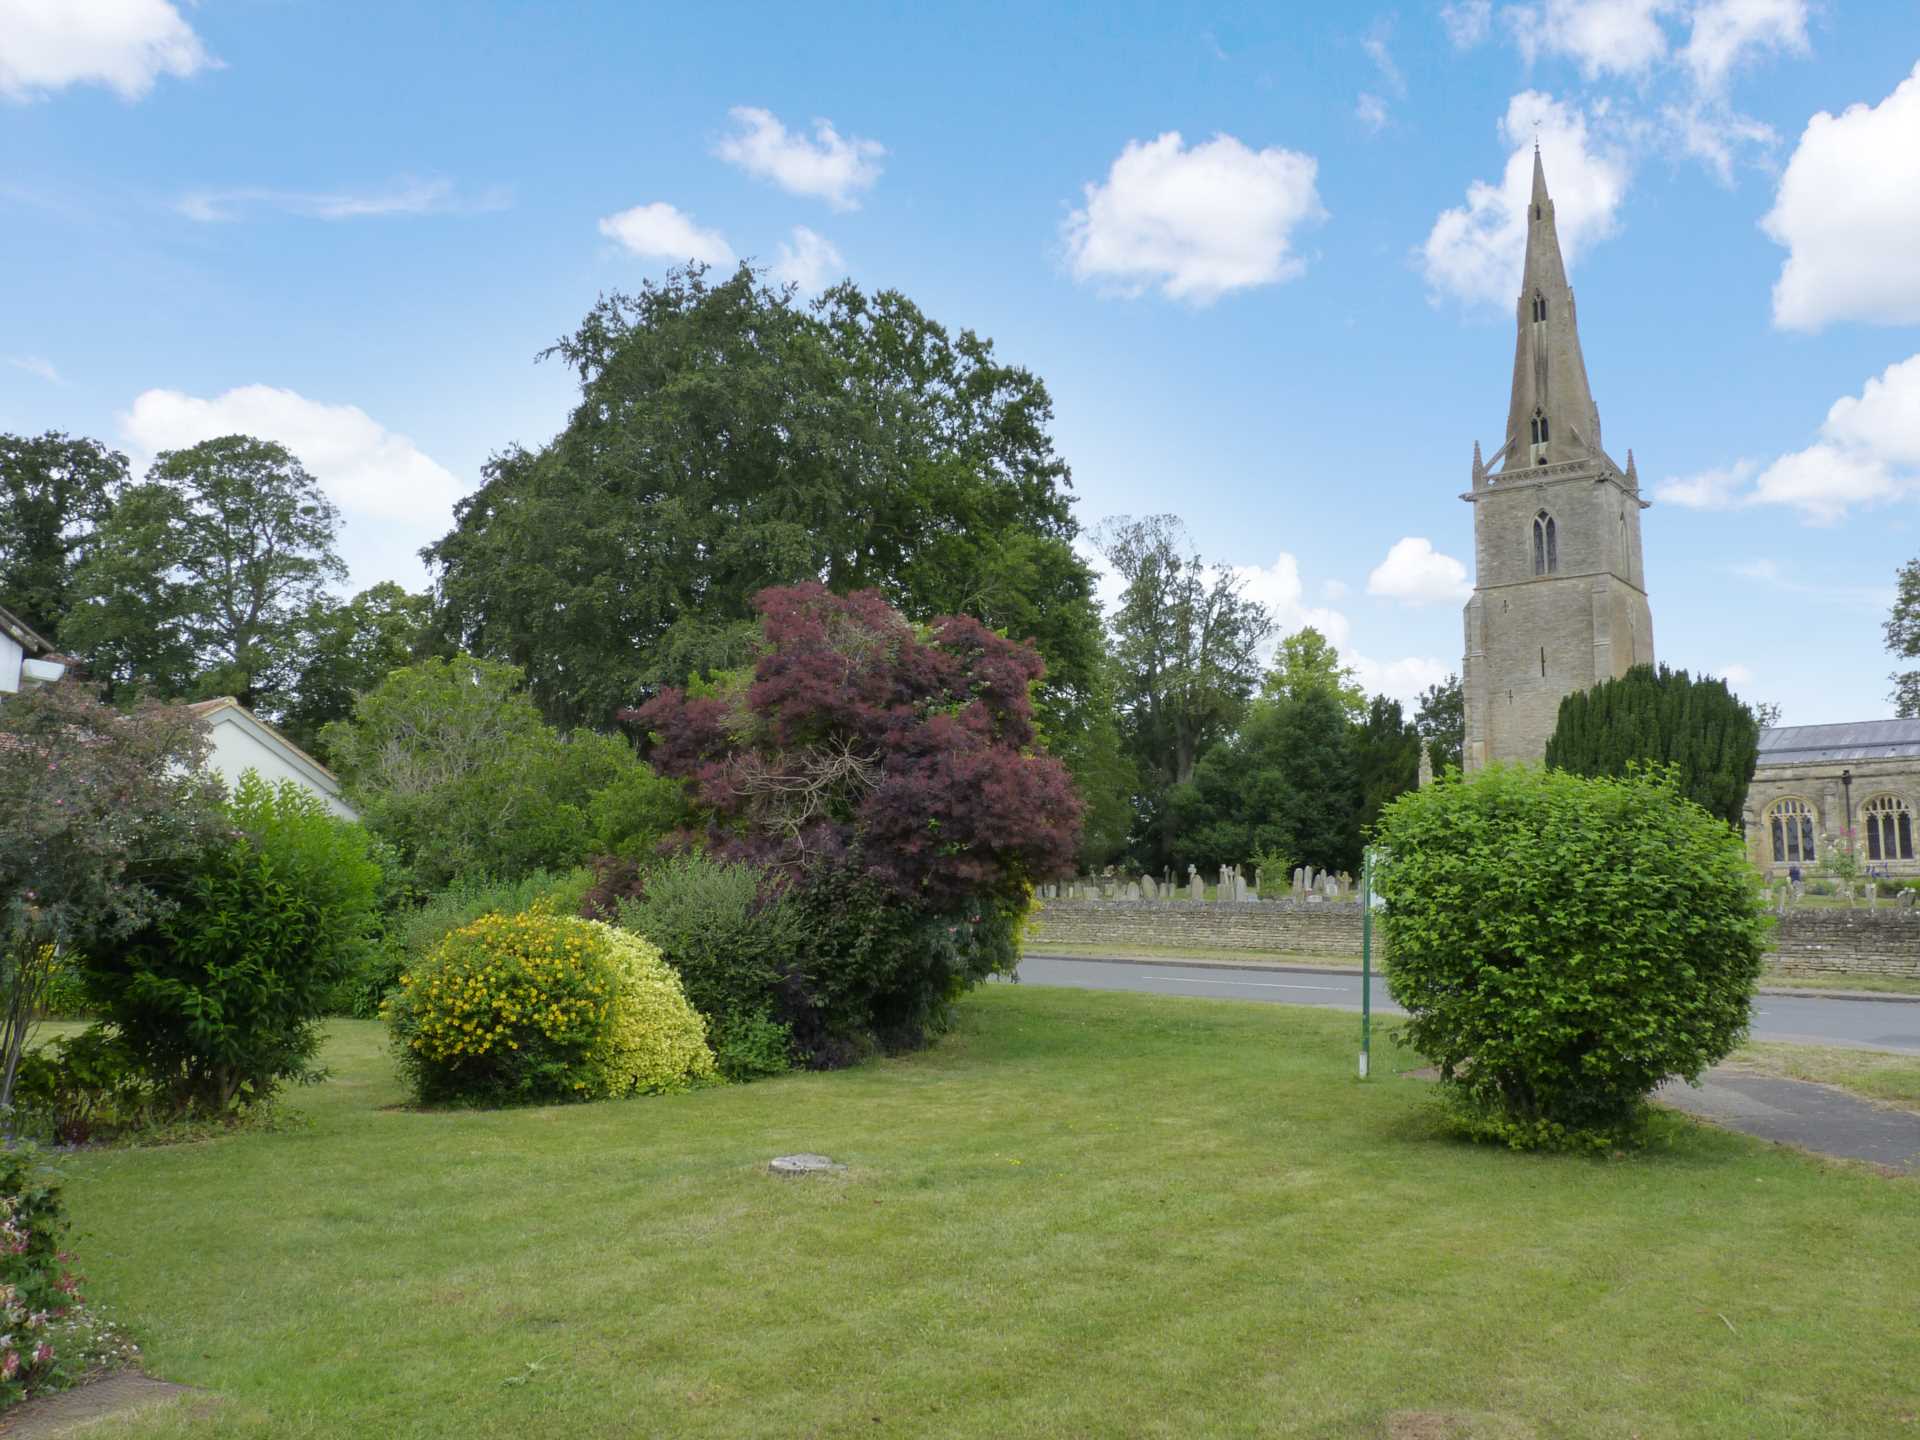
x=1288 y=967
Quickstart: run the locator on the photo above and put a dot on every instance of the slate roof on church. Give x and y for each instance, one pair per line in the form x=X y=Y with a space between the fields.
x=1855 y=740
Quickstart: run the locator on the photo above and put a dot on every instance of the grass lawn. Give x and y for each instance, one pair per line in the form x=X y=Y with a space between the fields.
x=1083 y=1214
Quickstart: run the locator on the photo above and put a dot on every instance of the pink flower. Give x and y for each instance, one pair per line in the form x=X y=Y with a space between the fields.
x=10 y=1367
x=42 y=1353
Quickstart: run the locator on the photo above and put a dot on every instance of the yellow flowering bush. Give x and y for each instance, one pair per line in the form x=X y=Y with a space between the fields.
x=657 y=1041
x=540 y=1006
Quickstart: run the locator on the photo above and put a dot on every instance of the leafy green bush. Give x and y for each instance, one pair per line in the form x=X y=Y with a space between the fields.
x=729 y=935
x=82 y=1088
x=1562 y=945
x=220 y=998
x=541 y=1007
x=450 y=761
x=413 y=933
x=877 y=973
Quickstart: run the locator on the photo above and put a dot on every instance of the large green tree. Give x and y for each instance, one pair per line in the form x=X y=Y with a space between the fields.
x=1441 y=719
x=729 y=438
x=1185 y=643
x=450 y=761
x=201 y=577
x=1285 y=789
x=345 y=650
x=1306 y=661
x=1664 y=717
x=1902 y=632
x=1386 y=759
x=55 y=492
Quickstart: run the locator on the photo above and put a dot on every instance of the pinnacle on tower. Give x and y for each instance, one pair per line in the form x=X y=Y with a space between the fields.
x=1552 y=417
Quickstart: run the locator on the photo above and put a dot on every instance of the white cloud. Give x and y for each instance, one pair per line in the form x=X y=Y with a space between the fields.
x=1374 y=43
x=1824 y=481
x=1371 y=111
x=405 y=196
x=1848 y=213
x=1197 y=222
x=393 y=497
x=810 y=261
x=1708 y=490
x=1468 y=22
x=1727 y=33
x=826 y=167
x=36 y=365
x=1474 y=253
x=1867 y=453
x=1735 y=674
x=1713 y=134
x=1401 y=679
x=1279 y=587
x=1417 y=574
x=658 y=231
x=1605 y=37
x=124 y=45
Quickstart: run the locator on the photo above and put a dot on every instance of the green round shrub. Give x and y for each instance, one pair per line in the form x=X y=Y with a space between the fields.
x=1562 y=945
x=543 y=1007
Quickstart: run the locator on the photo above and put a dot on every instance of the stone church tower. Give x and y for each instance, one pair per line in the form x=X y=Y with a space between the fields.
x=1560 y=599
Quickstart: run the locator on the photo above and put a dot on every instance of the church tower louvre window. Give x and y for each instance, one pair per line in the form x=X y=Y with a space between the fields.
x=1546 y=545
x=1559 y=601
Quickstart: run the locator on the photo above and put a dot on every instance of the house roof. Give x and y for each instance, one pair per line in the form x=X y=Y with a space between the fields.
x=22 y=633
x=207 y=709
x=1854 y=740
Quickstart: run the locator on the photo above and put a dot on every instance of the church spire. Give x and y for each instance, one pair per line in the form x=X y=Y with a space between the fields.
x=1552 y=416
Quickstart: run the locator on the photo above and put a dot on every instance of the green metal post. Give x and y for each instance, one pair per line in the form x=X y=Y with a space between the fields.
x=1366 y=957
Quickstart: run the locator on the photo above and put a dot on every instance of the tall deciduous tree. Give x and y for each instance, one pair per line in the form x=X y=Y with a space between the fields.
x=1902 y=632
x=1665 y=717
x=1442 y=722
x=1185 y=641
x=55 y=492
x=1307 y=661
x=1386 y=759
x=1285 y=787
x=346 y=650
x=202 y=575
x=730 y=438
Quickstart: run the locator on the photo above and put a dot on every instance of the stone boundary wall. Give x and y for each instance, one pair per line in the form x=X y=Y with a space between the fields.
x=1881 y=941
x=1283 y=927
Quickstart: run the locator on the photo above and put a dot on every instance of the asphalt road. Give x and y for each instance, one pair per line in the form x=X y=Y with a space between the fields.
x=1864 y=1024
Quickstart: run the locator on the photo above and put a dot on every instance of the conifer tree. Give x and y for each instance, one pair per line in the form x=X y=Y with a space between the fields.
x=1665 y=717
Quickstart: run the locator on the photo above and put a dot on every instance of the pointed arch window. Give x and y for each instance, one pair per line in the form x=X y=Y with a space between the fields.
x=1539 y=306
x=1546 y=545
x=1889 y=826
x=1790 y=825
x=1539 y=424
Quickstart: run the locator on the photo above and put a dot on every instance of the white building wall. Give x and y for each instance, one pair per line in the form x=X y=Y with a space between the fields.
x=10 y=657
x=238 y=748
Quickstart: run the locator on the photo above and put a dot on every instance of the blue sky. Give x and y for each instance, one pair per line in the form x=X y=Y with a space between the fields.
x=1264 y=256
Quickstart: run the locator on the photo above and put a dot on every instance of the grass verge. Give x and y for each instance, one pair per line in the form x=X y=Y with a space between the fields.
x=1876 y=1075
x=1081 y=1214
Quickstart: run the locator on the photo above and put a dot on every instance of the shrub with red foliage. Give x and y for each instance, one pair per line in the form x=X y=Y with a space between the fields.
x=906 y=752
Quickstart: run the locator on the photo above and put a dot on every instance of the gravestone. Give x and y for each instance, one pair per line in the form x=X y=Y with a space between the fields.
x=805 y=1164
x=1196 y=888
x=1148 y=890
x=1133 y=890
